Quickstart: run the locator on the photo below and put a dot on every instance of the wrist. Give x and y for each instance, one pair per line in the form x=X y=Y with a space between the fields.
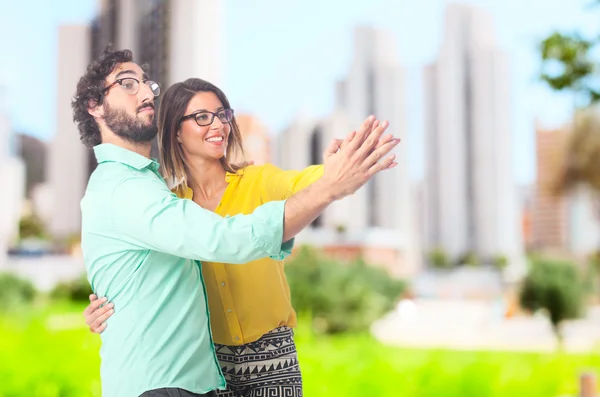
x=325 y=191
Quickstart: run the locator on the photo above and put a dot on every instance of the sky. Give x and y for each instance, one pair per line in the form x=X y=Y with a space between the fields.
x=285 y=57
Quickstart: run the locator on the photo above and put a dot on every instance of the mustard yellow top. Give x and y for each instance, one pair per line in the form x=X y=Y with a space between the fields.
x=247 y=301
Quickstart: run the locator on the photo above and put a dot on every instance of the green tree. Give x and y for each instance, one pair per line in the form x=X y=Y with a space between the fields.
x=340 y=297
x=32 y=227
x=568 y=64
x=556 y=288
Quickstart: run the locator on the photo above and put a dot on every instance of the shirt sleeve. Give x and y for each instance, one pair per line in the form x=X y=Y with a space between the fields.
x=280 y=185
x=146 y=213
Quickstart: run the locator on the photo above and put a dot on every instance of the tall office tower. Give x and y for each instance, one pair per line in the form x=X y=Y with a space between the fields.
x=549 y=217
x=568 y=221
x=177 y=39
x=375 y=85
x=163 y=35
x=196 y=40
x=471 y=195
x=379 y=216
x=301 y=145
x=68 y=158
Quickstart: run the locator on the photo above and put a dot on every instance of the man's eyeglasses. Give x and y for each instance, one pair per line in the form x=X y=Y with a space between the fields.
x=205 y=118
x=132 y=85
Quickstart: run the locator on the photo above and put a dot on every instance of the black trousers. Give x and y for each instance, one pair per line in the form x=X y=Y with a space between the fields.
x=173 y=392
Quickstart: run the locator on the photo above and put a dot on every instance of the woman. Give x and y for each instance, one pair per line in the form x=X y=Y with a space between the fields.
x=250 y=307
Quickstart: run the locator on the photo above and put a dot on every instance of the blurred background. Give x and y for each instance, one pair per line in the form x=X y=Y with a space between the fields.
x=472 y=269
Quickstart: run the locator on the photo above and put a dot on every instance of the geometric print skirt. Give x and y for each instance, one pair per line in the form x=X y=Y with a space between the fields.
x=265 y=368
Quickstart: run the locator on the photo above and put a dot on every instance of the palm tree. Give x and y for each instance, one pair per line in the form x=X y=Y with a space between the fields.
x=582 y=162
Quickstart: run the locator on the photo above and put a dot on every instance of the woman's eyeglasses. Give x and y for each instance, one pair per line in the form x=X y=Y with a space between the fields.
x=205 y=118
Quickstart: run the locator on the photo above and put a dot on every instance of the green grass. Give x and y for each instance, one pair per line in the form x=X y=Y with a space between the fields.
x=359 y=366
x=50 y=353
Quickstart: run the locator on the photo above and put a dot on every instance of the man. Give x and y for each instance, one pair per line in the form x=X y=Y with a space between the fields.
x=142 y=245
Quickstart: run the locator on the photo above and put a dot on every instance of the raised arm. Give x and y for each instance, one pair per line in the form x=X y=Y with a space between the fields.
x=154 y=218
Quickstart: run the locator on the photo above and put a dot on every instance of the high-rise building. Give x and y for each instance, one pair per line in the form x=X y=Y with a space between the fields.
x=195 y=40
x=378 y=219
x=471 y=195
x=33 y=151
x=549 y=218
x=375 y=85
x=165 y=36
x=176 y=39
x=302 y=144
x=68 y=159
x=566 y=222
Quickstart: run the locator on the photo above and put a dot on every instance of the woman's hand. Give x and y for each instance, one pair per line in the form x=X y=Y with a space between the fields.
x=96 y=316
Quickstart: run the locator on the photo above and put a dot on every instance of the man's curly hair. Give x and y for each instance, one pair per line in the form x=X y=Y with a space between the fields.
x=90 y=92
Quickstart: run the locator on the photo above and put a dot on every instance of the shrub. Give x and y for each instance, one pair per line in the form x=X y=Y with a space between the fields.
x=77 y=290
x=15 y=292
x=555 y=287
x=32 y=227
x=500 y=262
x=340 y=297
x=438 y=259
x=468 y=259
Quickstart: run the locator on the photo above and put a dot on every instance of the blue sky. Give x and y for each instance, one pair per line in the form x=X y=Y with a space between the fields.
x=281 y=57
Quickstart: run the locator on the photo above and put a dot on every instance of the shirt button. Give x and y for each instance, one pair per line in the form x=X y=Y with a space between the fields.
x=228 y=310
x=237 y=338
x=222 y=283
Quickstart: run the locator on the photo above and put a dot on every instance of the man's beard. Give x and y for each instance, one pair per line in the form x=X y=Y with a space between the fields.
x=129 y=127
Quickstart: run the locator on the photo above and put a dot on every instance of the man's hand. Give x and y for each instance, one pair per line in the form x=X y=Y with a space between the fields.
x=357 y=159
x=96 y=316
x=347 y=166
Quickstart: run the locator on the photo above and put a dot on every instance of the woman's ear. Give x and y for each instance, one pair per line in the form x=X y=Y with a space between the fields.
x=178 y=137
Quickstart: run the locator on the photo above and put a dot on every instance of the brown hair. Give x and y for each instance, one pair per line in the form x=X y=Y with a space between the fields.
x=172 y=108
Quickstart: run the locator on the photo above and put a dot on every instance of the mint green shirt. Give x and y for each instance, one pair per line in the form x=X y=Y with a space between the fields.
x=142 y=246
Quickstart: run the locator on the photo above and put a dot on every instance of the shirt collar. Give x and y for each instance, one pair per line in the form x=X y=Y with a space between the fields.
x=107 y=152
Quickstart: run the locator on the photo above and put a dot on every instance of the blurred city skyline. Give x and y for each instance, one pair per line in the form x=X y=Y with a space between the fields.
x=275 y=67
x=465 y=221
